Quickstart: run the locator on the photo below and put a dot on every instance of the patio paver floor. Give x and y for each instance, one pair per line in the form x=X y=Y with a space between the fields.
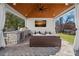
x=23 y=49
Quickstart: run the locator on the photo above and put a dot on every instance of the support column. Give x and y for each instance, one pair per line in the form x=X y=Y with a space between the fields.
x=54 y=26
x=76 y=41
x=2 y=22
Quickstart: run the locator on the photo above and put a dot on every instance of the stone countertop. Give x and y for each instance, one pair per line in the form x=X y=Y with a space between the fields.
x=13 y=32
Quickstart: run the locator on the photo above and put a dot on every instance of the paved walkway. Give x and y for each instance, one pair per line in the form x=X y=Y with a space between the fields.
x=66 y=49
x=23 y=49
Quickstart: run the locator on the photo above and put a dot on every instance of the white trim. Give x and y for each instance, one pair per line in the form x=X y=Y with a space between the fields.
x=15 y=12
x=64 y=11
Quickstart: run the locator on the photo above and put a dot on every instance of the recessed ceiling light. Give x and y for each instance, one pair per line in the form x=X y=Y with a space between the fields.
x=25 y=14
x=66 y=4
x=53 y=14
x=14 y=3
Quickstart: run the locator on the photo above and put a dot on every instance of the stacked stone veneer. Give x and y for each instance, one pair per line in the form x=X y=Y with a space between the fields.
x=12 y=37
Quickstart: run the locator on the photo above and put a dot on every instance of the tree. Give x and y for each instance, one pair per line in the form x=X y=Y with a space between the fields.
x=61 y=24
x=71 y=16
x=13 y=21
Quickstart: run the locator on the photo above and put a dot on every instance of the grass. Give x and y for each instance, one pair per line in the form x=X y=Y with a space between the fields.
x=67 y=37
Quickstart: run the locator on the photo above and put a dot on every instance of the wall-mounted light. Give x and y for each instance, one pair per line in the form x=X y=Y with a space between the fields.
x=14 y=3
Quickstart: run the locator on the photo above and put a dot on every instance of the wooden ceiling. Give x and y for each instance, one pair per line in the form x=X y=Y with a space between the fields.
x=34 y=10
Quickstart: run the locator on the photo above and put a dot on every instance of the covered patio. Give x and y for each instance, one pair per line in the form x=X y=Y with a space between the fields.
x=49 y=42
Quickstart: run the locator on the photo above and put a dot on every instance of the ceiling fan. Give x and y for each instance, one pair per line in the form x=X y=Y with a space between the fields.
x=41 y=8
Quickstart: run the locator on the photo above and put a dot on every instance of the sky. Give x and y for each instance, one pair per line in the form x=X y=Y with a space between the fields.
x=71 y=12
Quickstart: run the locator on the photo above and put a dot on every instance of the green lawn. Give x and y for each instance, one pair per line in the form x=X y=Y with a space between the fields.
x=66 y=37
